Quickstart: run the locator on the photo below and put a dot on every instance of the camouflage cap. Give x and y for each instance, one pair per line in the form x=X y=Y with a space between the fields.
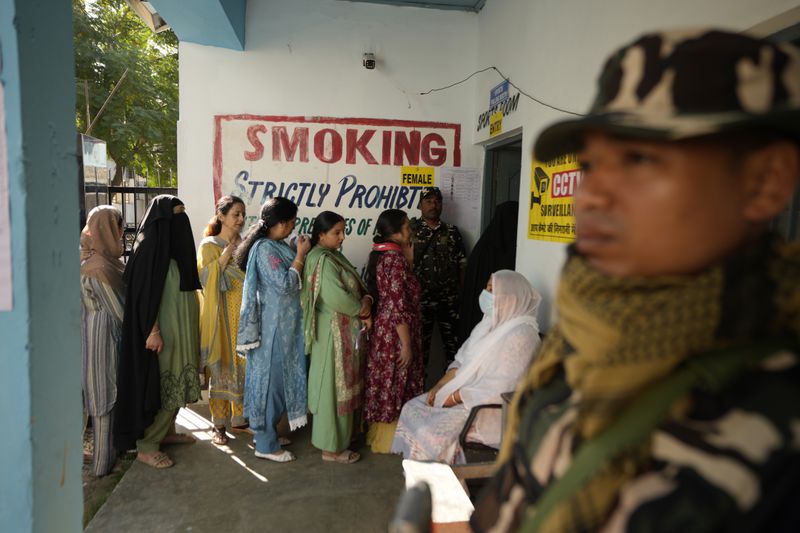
x=424 y=192
x=687 y=83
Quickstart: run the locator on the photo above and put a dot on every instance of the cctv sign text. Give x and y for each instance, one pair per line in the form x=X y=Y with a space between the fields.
x=566 y=183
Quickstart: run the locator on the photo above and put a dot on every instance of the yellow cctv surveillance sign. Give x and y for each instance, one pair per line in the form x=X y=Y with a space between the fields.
x=416 y=176
x=551 y=212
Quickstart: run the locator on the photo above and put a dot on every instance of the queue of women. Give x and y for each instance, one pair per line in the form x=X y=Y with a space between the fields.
x=280 y=327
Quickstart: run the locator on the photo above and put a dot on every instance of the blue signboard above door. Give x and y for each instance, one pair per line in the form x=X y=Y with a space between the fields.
x=498 y=93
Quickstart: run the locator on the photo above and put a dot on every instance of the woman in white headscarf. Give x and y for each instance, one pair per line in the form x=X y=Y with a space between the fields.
x=489 y=363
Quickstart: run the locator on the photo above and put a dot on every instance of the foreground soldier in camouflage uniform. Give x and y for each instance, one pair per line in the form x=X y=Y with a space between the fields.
x=439 y=261
x=667 y=396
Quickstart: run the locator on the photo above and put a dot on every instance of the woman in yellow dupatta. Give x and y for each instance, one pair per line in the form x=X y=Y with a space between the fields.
x=219 y=318
x=336 y=306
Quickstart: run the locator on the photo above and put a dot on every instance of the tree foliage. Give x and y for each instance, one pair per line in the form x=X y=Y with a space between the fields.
x=139 y=122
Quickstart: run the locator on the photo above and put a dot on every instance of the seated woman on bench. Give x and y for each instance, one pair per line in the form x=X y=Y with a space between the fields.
x=488 y=364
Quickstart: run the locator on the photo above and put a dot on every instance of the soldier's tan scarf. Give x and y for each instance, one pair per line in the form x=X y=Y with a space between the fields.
x=615 y=336
x=349 y=356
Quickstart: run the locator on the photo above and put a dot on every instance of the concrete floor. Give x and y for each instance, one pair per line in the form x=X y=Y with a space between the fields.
x=227 y=488
x=213 y=489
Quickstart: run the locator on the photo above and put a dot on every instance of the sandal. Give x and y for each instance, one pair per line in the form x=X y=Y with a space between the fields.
x=284 y=456
x=158 y=460
x=346 y=457
x=220 y=438
x=178 y=438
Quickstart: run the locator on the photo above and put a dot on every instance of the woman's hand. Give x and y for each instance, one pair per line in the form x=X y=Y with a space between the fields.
x=432 y=394
x=154 y=342
x=366 y=306
x=367 y=323
x=449 y=375
x=404 y=358
x=303 y=246
x=227 y=253
x=452 y=400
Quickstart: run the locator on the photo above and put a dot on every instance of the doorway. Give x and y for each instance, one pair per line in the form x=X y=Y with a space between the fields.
x=502 y=165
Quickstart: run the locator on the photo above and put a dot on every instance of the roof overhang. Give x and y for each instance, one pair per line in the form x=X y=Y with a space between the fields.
x=149 y=15
x=461 y=5
x=222 y=22
x=211 y=22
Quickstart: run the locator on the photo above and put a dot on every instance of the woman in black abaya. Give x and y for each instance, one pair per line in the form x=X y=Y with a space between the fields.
x=158 y=368
x=495 y=250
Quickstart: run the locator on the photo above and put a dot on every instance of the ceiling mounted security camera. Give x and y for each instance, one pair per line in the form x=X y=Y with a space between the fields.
x=368 y=61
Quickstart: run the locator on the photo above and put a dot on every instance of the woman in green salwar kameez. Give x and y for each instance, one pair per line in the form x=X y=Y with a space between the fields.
x=337 y=313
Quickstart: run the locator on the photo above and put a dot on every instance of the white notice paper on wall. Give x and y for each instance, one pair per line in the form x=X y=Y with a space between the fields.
x=5 y=219
x=461 y=197
x=450 y=502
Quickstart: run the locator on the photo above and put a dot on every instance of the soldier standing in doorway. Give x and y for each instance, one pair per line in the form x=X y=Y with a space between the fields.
x=439 y=261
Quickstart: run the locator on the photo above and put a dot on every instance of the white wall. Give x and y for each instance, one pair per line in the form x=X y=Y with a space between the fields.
x=303 y=58
x=554 y=49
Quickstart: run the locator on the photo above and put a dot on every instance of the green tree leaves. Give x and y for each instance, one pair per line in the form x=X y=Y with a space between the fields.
x=139 y=122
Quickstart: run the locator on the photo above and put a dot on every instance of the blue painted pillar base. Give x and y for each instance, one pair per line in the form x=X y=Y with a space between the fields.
x=40 y=391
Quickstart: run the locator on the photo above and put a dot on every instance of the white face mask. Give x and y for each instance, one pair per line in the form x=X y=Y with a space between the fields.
x=486 y=302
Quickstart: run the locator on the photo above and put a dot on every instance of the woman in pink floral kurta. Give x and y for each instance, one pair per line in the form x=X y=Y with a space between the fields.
x=395 y=371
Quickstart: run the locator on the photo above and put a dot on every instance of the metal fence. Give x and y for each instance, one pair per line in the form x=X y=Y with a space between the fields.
x=133 y=202
x=132 y=199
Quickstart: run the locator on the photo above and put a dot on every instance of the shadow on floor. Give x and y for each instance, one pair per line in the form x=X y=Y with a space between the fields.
x=227 y=488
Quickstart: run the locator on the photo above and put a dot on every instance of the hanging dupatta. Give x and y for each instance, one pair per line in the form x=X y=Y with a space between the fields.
x=249 y=335
x=216 y=281
x=349 y=355
x=516 y=303
x=481 y=363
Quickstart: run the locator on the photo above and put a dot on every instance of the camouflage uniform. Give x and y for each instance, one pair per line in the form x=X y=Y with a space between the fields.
x=669 y=86
x=439 y=259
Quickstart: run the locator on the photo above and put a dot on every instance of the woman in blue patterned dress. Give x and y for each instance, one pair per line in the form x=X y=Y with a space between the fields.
x=271 y=327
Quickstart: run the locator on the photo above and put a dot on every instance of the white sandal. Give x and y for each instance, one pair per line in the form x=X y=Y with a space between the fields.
x=284 y=456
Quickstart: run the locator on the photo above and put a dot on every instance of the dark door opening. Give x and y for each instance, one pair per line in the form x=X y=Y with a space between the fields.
x=501 y=176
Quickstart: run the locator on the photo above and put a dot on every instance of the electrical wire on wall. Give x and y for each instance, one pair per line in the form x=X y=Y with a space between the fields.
x=506 y=78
